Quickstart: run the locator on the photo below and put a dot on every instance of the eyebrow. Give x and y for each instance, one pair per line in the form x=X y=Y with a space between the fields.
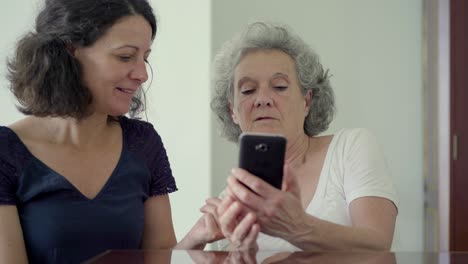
x=280 y=74
x=248 y=79
x=131 y=46
x=244 y=80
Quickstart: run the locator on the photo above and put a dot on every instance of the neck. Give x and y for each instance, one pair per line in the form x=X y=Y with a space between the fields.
x=80 y=134
x=297 y=149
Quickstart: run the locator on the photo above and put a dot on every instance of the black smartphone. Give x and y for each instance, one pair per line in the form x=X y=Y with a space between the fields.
x=263 y=156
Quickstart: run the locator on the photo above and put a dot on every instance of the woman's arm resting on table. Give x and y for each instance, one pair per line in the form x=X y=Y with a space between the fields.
x=12 y=248
x=373 y=223
x=158 y=232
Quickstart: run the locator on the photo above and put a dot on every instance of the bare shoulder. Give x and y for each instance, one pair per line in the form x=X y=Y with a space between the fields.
x=322 y=142
x=318 y=147
x=28 y=129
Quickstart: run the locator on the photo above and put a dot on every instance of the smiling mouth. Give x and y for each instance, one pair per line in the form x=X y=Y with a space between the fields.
x=127 y=91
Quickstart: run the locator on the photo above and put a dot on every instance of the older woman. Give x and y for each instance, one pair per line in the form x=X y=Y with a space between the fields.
x=336 y=193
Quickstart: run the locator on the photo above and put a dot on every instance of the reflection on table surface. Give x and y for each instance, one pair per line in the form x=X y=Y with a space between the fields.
x=199 y=256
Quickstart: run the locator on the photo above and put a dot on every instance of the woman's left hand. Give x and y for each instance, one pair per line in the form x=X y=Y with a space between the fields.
x=279 y=212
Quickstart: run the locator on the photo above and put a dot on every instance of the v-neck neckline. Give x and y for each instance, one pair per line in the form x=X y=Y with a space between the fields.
x=314 y=204
x=60 y=176
x=103 y=188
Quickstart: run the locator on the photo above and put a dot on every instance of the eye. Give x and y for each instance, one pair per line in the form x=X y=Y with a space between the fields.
x=247 y=88
x=125 y=58
x=281 y=88
x=247 y=92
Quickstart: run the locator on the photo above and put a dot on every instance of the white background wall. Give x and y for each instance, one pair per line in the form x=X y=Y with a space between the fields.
x=373 y=50
x=180 y=98
x=15 y=18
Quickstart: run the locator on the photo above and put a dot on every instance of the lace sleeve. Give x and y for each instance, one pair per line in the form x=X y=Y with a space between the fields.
x=143 y=140
x=162 y=181
x=8 y=182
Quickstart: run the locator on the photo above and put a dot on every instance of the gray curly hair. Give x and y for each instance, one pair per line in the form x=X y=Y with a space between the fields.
x=311 y=75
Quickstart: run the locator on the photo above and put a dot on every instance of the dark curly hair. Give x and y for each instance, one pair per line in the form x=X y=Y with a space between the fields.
x=44 y=77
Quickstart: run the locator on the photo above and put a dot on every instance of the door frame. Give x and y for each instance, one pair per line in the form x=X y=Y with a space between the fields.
x=437 y=134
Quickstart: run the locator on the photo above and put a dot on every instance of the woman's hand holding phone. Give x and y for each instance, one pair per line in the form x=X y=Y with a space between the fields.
x=279 y=212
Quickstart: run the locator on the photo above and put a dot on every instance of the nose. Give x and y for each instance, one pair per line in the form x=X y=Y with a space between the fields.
x=139 y=73
x=263 y=98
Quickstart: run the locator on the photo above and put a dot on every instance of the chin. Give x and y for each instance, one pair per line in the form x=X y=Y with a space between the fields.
x=118 y=111
x=269 y=130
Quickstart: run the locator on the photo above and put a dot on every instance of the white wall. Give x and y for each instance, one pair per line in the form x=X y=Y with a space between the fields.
x=16 y=17
x=373 y=51
x=178 y=100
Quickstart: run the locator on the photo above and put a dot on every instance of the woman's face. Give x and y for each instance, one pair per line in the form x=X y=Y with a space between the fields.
x=267 y=96
x=114 y=66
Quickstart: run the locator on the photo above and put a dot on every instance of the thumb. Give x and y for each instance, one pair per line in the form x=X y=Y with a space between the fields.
x=290 y=183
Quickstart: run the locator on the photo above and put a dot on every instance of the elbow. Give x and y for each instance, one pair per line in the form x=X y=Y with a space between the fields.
x=382 y=242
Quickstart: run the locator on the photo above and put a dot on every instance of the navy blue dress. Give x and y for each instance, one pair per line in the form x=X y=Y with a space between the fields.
x=60 y=224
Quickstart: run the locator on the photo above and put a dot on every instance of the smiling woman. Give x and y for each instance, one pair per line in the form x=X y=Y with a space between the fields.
x=77 y=177
x=115 y=66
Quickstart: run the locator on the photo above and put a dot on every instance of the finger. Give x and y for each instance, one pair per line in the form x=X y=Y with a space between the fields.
x=246 y=208
x=256 y=184
x=243 y=229
x=209 y=209
x=228 y=221
x=211 y=224
x=290 y=183
x=244 y=195
x=229 y=193
x=224 y=204
x=213 y=201
x=212 y=231
x=249 y=256
x=251 y=237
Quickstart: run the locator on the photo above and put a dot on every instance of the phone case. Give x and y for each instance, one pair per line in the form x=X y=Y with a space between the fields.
x=263 y=156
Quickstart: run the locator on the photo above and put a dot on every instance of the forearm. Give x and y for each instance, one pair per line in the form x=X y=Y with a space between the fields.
x=316 y=234
x=11 y=253
x=12 y=246
x=189 y=243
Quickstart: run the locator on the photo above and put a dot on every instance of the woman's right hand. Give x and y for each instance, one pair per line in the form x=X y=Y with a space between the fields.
x=206 y=230
x=238 y=224
x=225 y=218
x=210 y=230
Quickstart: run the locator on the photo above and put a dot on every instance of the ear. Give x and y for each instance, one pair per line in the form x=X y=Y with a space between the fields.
x=308 y=101
x=233 y=114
